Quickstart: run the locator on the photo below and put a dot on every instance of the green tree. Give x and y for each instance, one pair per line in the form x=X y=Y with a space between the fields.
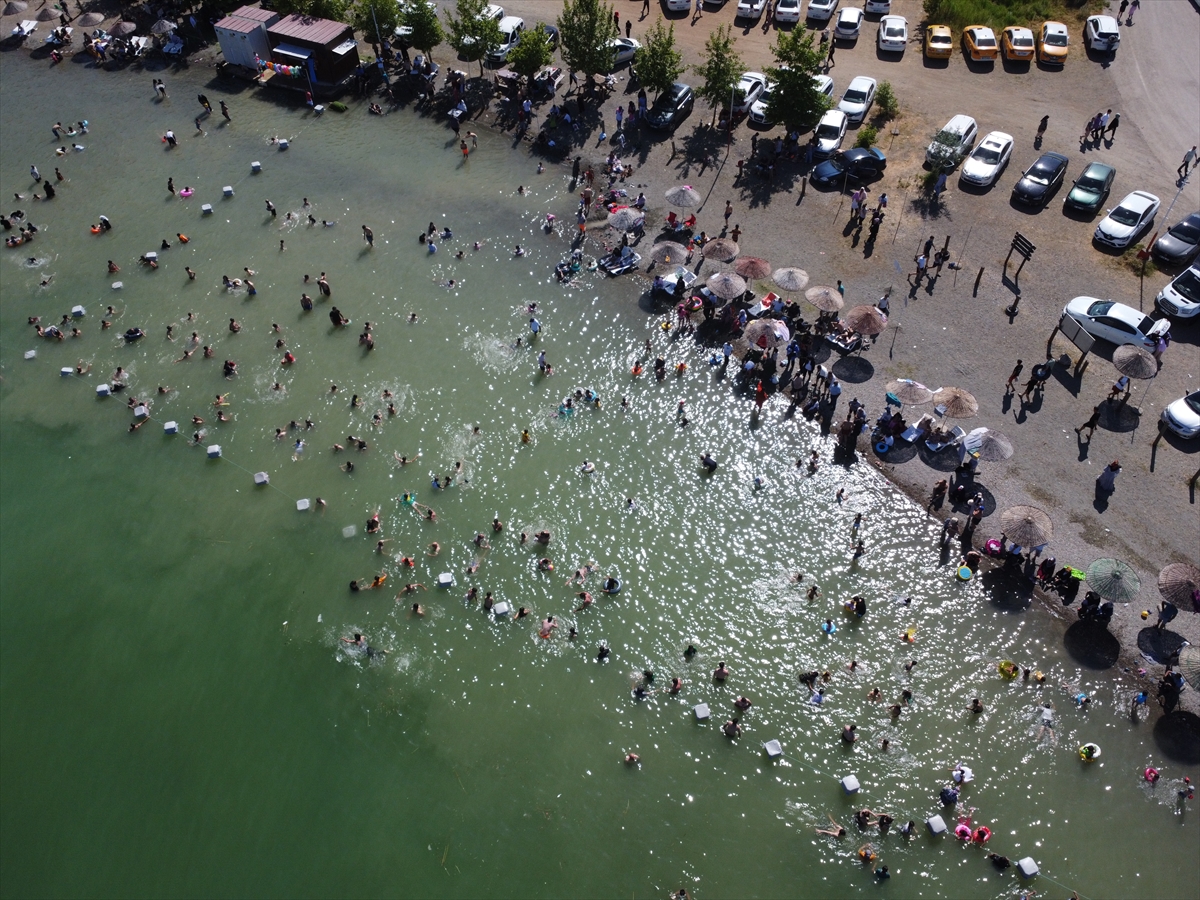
x=795 y=100
x=659 y=63
x=473 y=34
x=531 y=53
x=321 y=9
x=721 y=70
x=422 y=18
x=585 y=28
x=367 y=13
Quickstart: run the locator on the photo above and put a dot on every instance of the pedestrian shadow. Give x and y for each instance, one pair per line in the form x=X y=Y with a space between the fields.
x=1177 y=735
x=1100 y=501
x=1159 y=644
x=1092 y=645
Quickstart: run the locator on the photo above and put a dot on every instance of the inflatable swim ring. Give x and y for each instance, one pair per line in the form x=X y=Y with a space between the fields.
x=96 y=229
x=616 y=587
x=1007 y=668
x=982 y=835
x=1089 y=751
x=829 y=628
x=408 y=499
x=962 y=831
x=186 y=192
x=588 y=468
x=1151 y=774
x=964 y=573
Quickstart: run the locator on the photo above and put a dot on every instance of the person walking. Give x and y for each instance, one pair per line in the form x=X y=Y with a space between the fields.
x=1014 y=375
x=1188 y=159
x=922 y=263
x=1090 y=424
x=736 y=233
x=628 y=27
x=1112 y=126
x=1133 y=7
x=1102 y=125
x=645 y=8
x=1161 y=343
x=829 y=59
x=1120 y=386
x=1121 y=10
x=699 y=14
x=1106 y=481
x=225 y=111
x=728 y=212
x=1042 y=125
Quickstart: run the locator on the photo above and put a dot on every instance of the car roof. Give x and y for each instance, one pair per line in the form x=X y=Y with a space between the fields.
x=939 y=29
x=822 y=81
x=753 y=76
x=886 y=19
x=833 y=115
x=1104 y=22
x=861 y=82
x=996 y=137
x=1050 y=159
x=1098 y=169
x=852 y=10
x=510 y=22
x=1019 y=30
x=959 y=124
x=982 y=30
x=1117 y=310
x=1138 y=200
x=1054 y=27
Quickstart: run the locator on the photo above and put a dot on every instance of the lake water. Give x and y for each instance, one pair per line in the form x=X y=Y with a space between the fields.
x=180 y=714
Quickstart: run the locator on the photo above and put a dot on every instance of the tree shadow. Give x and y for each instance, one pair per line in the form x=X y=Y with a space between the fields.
x=1177 y=735
x=1092 y=645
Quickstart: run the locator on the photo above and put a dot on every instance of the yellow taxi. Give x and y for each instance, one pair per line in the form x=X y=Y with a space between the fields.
x=1017 y=44
x=938 y=42
x=979 y=43
x=1052 y=46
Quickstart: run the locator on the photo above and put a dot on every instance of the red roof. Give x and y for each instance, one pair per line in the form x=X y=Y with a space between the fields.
x=308 y=29
x=247 y=19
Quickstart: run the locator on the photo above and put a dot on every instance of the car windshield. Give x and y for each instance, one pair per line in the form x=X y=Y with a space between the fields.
x=1036 y=177
x=827 y=131
x=1056 y=40
x=1124 y=215
x=1090 y=183
x=1188 y=285
x=986 y=154
x=855 y=96
x=1099 y=308
x=1187 y=230
x=1193 y=401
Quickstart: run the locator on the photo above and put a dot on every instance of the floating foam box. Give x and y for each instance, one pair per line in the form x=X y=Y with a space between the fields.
x=701 y=712
x=261 y=478
x=117 y=285
x=66 y=371
x=31 y=354
x=445 y=580
x=214 y=451
x=171 y=427
x=501 y=609
x=78 y=312
x=1027 y=867
x=349 y=531
x=206 y=209
x=256 y=167
x=152 y=255
x=773 y=749
x=302 y=505
x=283 y=144
x=850 y=784
x=140 y=411
x=227 y=190
x=103 y=390
x=936 y=825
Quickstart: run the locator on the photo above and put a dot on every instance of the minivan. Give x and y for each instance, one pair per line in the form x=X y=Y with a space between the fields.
x=511 y=28
x=965 y=130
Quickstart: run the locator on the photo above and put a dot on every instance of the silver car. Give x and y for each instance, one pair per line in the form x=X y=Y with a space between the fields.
x=988 y=160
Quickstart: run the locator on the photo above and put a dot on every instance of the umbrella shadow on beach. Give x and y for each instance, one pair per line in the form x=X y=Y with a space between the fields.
x=943 y=461
x=1177 y=735
x=899 y=453
x=853 y=369
x=1159 y=644
x=1008 y=591
x=1092 y=645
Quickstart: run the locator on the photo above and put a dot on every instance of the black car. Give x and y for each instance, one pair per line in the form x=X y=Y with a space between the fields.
x=1179 y=245
x=851 y=166
x=672 y=107
x=1041 y=180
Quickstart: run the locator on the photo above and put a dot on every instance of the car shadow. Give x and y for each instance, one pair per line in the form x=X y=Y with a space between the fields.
x=888 y=55
x=934 y=62
x=981 y=67
x=1080 y=215
x=1016 y=66
x=1049 y=67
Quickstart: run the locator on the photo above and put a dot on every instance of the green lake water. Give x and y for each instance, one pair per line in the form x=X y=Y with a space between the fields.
x=179 y=714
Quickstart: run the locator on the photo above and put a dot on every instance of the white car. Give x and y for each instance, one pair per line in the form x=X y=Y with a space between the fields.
x=1115 y=322
x=879 y=7
x=749 y=89
x=893 y=34
x=623 y=50
x=857 y=100
x=849 y=22
x=491 y=11
x=988 y=160
x=750 y=9
x=1129 y=219
x=1183 y=416
x=787 y=12
x=1181 y=298
x=830 y=132
x=821 y=10
x=679 y=5
x=1102 y=33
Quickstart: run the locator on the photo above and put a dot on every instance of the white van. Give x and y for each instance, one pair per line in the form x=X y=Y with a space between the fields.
x=511 y=28
x=965 y=131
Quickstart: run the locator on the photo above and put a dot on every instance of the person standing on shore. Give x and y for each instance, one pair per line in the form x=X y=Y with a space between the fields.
x=225 y=111
x=1014 y=375
x=1106 y=481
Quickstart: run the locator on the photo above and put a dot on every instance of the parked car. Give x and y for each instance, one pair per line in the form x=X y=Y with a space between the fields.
x=1038 y=183
x=750 y=9
x=1017 y=44
x=1181 y=298
x=857 y=100
x=1183 y=416
x=760 y=115
x=403 y=32
x=979 y=43
x=849 y=23
x=852 y=166
x=491 y=11
x=830 y=132
x=1132 y=216
x=878 y=7
x=623 y=50
x=511 y=29
x=821 y=10
x=1090 y=189
x=893 y=34
x=1115 y=322
x=1052 y=47
x=939 y=42
x=787 y=12
x=1179 y=245
x=1102 y=34
x=672 y=107
x=988 y=160
x=679 y=5
x=749 y=88
x=962 y=130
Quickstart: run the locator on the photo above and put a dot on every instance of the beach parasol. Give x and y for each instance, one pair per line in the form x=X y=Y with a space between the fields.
x=684 y=195
x=789 y=278
x=909 y=391
x=122 y=28
x=990 y=445
x=866 y=320
x=1131 y=360
x=668 y=253
x=721 y=249
x=625 y=219
x=1113 y=580
x=958 y=404
x=726 y=285
x=1189 y=666
x=87 y=20
x=15 y=6
x=1027 y=526
x=825 y=298
x=49 y=14
x=767 y=333
x=1179 y=583
x=752 y=267
x=163 y=26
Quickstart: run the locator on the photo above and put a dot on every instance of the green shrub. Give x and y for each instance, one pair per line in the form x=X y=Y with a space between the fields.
x=866 y=136
x=1000 y=13
x=886 y=102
